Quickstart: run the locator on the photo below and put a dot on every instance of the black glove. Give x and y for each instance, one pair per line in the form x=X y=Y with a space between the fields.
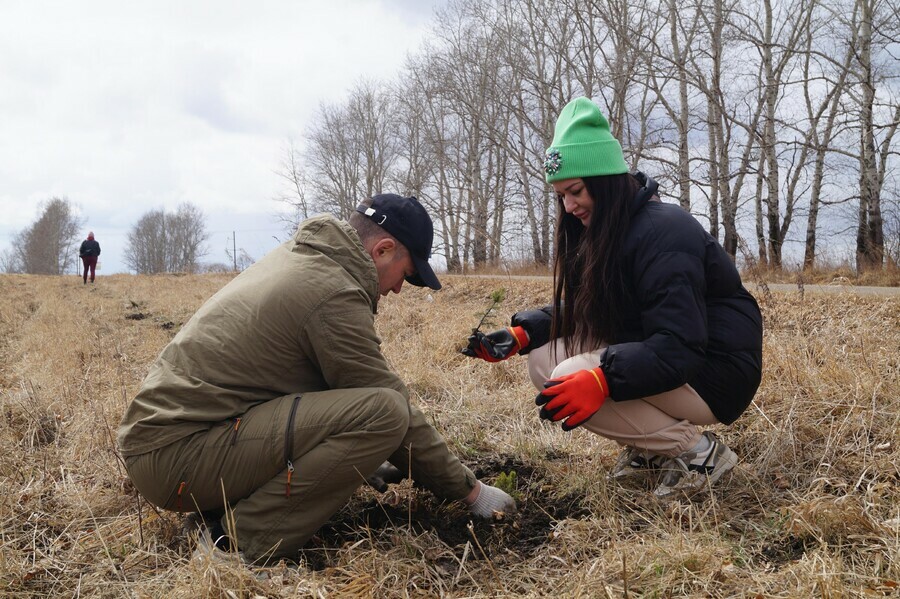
x=386 y=474
x=498 y=345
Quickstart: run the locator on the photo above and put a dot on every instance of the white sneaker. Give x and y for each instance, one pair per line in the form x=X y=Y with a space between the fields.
x=633 y=461
x=692 y=470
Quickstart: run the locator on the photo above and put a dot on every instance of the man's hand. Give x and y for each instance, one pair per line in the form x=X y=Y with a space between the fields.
x=576 y=397
x=386 y=474
x=497 y=346
x=489 y=501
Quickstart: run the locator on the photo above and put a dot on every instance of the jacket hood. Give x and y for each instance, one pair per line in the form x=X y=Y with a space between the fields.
x=649 y=188
x=338 y=241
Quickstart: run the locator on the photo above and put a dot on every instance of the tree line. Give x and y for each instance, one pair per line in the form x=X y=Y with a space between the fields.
x=769 y=120
x=772 y=122
x=158 y=242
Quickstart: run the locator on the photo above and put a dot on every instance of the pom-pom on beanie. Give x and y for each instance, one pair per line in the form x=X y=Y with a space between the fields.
x=582 y=145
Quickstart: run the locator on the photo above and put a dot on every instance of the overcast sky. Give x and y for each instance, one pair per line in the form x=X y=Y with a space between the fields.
x=125 y=107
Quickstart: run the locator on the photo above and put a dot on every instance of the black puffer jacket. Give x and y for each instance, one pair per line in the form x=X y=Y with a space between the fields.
x=688 y=318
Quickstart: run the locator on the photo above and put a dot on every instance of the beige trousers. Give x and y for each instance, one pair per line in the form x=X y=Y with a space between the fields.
x=665 y=424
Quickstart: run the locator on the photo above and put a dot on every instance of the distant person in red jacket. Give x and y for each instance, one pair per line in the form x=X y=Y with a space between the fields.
x=89 y=252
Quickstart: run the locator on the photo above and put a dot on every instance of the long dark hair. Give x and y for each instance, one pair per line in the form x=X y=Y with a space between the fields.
x=588 y=272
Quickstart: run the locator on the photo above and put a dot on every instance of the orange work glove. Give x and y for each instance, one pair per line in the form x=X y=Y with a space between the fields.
x=496 y=346
x=576 y=397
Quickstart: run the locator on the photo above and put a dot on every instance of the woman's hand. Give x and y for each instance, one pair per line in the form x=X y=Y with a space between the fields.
x=575 y=397
x=496 y=346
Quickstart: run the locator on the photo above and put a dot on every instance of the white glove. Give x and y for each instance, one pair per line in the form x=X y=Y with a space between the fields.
x=491 y=500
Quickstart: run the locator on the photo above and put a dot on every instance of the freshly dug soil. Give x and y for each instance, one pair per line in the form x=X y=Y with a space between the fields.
x=520 y=533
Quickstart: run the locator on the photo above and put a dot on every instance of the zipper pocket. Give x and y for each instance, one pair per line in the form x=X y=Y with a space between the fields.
x=289 y=445
x=237 y=423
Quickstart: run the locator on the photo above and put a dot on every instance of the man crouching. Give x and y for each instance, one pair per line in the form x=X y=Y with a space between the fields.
x=275 y=399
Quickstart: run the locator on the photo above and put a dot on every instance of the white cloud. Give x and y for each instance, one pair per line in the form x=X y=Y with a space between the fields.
x=126 y=107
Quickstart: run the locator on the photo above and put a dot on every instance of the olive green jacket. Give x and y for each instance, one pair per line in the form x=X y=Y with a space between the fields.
x=299 y=320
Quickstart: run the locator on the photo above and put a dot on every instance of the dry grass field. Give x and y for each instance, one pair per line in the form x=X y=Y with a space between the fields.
x=812 y=510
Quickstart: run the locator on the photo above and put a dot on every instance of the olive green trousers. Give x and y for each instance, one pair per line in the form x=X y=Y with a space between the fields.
x=287 y=465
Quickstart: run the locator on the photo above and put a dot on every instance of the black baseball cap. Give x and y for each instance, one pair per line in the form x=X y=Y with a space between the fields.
x=406 y=220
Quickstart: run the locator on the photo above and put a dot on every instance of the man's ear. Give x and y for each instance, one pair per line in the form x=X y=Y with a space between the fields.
x=384 y=249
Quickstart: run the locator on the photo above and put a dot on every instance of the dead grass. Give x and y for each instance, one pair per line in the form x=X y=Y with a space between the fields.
x=832 y=273
x=813 y=510
x=837 y=274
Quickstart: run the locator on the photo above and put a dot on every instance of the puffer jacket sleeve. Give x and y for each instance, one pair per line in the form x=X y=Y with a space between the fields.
x=669 y=287
x=537 y=323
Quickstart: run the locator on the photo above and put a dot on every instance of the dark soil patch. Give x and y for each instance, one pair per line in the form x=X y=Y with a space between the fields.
x=519 y=534
x=785 y=550
x=135 y=316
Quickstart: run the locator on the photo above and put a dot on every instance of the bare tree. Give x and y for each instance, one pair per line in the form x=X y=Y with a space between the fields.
x=351 y=149
x=415 y=163
x=238 y=260
x=733 y=107
x=668 y=63
x=187 y=232
x=333 y=159
x=615 y=28
x=531 y=32
x=747 y=104
x=10 y=262
x=473 y=89
x=878 y=29
x=162 y=242
x=892 y=228
x=821 y=117
x=147 y=245
x=295 y=185
x=48 y=246
x=371 y=109
x=430 y=173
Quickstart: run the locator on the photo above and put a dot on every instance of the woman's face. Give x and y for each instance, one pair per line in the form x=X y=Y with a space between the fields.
x=575 y=198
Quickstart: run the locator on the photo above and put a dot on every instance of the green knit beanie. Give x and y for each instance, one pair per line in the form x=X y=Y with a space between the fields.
x=582 y=145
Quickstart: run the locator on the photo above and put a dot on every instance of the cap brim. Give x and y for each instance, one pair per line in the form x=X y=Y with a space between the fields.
x=424 y=276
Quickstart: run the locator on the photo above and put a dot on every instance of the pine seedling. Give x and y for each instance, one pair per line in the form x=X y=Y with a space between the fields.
x=508 y=483
x=497 y=296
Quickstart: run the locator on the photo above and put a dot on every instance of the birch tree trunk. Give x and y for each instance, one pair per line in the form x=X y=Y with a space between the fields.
x=820 y=142
x=870 y=233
